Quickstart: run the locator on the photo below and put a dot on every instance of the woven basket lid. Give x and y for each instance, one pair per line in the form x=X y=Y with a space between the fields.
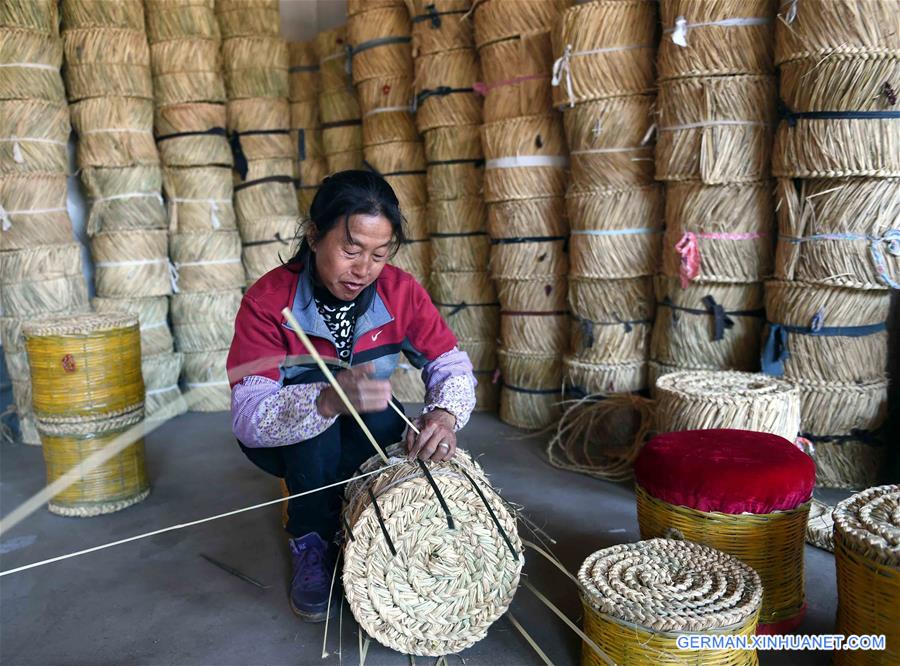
x=730 y=471
x=869 y=523
x=724 y=385
x=671 y=586
x=79 y=324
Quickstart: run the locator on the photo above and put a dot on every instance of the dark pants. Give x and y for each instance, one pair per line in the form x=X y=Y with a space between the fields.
x=331 y=456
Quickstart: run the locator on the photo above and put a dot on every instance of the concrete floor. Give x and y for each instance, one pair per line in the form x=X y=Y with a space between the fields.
x=158 y=602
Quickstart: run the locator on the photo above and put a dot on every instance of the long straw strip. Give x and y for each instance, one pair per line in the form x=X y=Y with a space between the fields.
x=131 y=262
x=30 y=65
x=295 y=325
x=534 y=646
x=388 y=109
x=208 y=262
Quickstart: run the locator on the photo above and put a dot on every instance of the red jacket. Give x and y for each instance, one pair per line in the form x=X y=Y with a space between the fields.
x=395 y=314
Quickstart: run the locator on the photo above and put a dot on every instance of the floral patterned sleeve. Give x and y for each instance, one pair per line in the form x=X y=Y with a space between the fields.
x=450 y=385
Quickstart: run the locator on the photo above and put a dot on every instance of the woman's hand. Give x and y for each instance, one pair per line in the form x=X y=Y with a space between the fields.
x=366 y=394
x=436 y=441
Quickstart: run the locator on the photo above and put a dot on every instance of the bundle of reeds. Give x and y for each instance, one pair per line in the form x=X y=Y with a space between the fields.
x=267 y=193
x=203 y=375
x=414 y=257
x=242 y=18
x=101 y=14
x=181 y=19
x=695 y=30
x=131 y=264
x=256 y=66
x=204 y=320
x=455 y=162
x=106 y=62
x=40 y=16
x=34 y=136
x=445 y=96
x=604 y=49
x=260 y=129
x=608 y=378
x=531 y=258
x=42 y=279
x=720 y=233
x=304 y=72
x=714 y=326
x=161 y=390
x=152 y=313
x=380 y=39
x=524 y=218
x=33 y=210
x=29 y=65
x=174 y=84
x=530 y=393
x=517 y=74
x=468 y=303
x=124 y=198
x=207 y=260
x=267 y=244
x=114 y=132
x=440 y=25
x=193 y=134
x=332 y=53
x=199 y=199
x=389 y=125
x=716 y=129
x=386 y=94
x=496 y=20
x=608 y=342
x=466 y=251
x=838 y=232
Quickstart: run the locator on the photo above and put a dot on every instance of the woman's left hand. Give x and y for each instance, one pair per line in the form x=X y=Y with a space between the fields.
x=436 y=441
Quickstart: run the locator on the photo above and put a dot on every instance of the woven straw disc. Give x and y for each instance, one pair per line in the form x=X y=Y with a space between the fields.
x=869 y=523
x=663 y=585
x=444 y=588
x=820 y=526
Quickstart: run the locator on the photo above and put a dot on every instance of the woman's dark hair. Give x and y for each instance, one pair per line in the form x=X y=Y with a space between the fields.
x=348 y=193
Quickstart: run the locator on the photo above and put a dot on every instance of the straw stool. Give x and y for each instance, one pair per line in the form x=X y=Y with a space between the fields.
x=743 y=492
x=867 y=556
x=640 y=597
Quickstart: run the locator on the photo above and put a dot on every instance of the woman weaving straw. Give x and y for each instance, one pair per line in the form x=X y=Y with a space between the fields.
x=359 y=313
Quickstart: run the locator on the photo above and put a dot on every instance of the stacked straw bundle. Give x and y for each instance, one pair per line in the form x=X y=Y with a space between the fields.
x=448 y=113
x=717 y=100
x=258 y=117
x=204 y=245
x=339 y=114
x=40 y=264
x=838 y=250
x=603 y=82
x=525 y=174
x=310 y=164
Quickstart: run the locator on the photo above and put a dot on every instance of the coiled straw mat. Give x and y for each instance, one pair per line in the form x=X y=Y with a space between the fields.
x=153 y=315
x=703 y=399
x=30 y=66
x=42 y=279
x=716 y=129
x=200 y=199
x=106 y=62
x=517 y=76
x=333 y=55
x=440 y=25
x=383 y=100
x=820 y=526
x=867 y=557
x=455 y=162
x=178 y=19
x=433 y=556
x=33 y=210
x=839 y=232
x=414 y=256
x=466 y=251
x=695 y=33
x=187 y=70
x=839 y=58
x=719 y=233
x=260 y=128
x=639 y=597
x=380 y=38
x=604 y=49
x=531 y=390
x=502 y=19
x=207 y=260
x=39 y=15
x=131 y=264
x=114 y=132
x=605 y=378
x=85 y=372
x=467 y=301
x=445 y=96
x=268 y=243
x=240 y=18
x=256 y=66
x=35 y=136
x=192 y=135
x=205 y=376
x=161 y=373
x=124 y=198
x=853 y=461
x=303 y=72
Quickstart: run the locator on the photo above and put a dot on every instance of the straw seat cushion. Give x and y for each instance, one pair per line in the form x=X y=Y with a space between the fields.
x=726 y=471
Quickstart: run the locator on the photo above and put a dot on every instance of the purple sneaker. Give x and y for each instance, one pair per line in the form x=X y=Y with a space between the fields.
x=311 y=580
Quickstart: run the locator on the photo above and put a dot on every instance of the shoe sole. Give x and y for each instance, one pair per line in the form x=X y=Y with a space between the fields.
x=306 y=616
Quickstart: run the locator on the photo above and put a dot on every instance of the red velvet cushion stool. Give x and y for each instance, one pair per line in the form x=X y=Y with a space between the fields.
x=742 y=492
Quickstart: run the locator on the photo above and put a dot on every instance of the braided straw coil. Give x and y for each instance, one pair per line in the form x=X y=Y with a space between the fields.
x=747 y=27
x=850 y=462
x=728 y=227
x=453 y=583
x=42 y=279
x=702 y=399
x=867 y=558
x=24 y=47
x=270 y=117
x=204 y=376
x=604 y=49
x=639 y=597
x=455 y=163
x=463 y=215
x=503 y=19
x=203 y=321
x=455 y=71
x=303 y=72
x=161 y=373
x=516 y=75
x=124 y=198
x=242 y=18
x=202 y=143
x=268 y=243
x=207 y=260
x=256 y=66
x=839 y=232
x=39 y=16
x=530 y=393
x=106 y=62
x=468 y=303
x=103 y=14
x=820 y=526
x=331 y=51
x=199 y=199
x=34 y=210
x=381 y=60
x=603 y=378
x=152 y=313
x=174 y=82
x=114 y=132
x=178 y=19
x=451 y=30
x=131 y=264
x=469 y=251
x=35 y=136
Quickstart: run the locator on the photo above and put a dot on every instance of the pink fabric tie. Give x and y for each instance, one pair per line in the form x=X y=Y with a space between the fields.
x=690 y=252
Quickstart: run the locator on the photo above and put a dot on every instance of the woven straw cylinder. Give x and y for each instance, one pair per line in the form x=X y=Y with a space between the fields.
x=468 y=303
x=807 y=316
x=632 y=301
x=267 y=244
x=24 y=47
x=35 y=136
x=398 y=158
x=502 y=19
x=303 y=75
x=207 y=260
x=512 y=259
x=770 y=543
x=40 y=16
x=850 y=462
x=345 y=160
x=343 y=147
x=385 y=94
x=464 y=215
x=698 y=400
x=487 y=392
x=131 y=264
x=831 y=409
x=258 y=201
x=114 y=132
x=42 y=279
x=837 y=232
x=416 y=223
x=255 y=66
x=199 y=199
x=305 y=114
x=371 y=60
x=204 y=321
x=725 y=231
x=414 y=256
x=867 y=558
x=538 y=295
x=516 y=76
x=440 y=25
x=123 y=199
x=526 y=158
x=161 y=373
x=338 y=105
x=608 y=142
x=406 y=383
x=482 y=354
x=605 y=378
x=455 y=162
x=398 y=126
x=444 y=93
x=107 y=62
x=747 y=27
x=531 y=332
x=35 y=212
x=238 y=18
x=355 y=7
x=205 y=378
x=527 y=218
x=152 y=314
x=820 y=526
x=176 y=82
x=687 y=338
x=99 y=13
x=530 y=393
x=716 y=129
x=469 y=251
x=393 y=512
x=175 y=19
x=331 y=51
x=411 y=189
x=270 y=117
x=202 y=141
x=604 y=49
x=609 y=342
x=85 y=372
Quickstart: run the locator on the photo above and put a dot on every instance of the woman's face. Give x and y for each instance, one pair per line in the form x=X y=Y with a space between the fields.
x=350 y=257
